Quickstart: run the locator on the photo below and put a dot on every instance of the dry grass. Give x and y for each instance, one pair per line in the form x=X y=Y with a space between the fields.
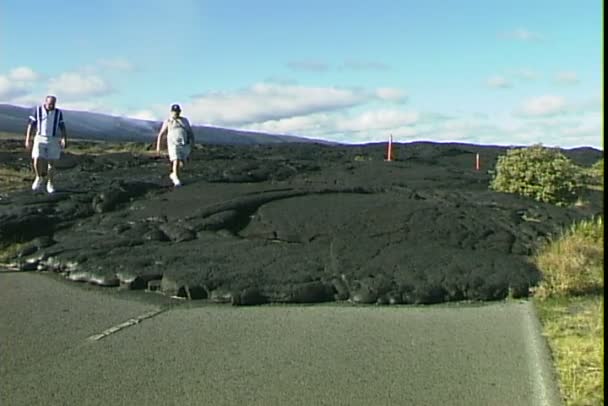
x=13 y=179
x=574 y=327
x=573 y=264
x=9 y=251
x=79 y=146
x=100 y=148
x=571 y=307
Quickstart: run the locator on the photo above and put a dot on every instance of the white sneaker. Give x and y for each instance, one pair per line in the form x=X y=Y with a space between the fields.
x=175 y=179
x=37 y=183
x=49 y=187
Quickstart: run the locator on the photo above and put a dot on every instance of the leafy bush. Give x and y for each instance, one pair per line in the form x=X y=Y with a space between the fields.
x=573 y=264
x=544 y=174
x=596 y=172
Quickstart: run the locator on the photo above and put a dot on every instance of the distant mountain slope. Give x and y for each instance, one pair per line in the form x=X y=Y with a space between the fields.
x=88 y=125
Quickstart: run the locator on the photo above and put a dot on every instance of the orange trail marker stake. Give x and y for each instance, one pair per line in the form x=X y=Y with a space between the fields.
x=477 y=162
x=389 y=149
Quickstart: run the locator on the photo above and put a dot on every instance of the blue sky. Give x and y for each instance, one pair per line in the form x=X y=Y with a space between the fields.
x=491 y=72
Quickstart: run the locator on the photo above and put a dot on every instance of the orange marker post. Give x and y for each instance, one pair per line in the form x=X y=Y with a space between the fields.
x=389 y=155
x=477 y=162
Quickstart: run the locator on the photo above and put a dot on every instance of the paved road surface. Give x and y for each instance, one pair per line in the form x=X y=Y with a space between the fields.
x=57 y=347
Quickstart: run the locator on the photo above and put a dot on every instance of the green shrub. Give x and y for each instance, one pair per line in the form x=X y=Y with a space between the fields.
x=596 y=172
x=544 y=174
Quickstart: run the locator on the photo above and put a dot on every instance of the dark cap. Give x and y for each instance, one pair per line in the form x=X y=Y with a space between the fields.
x=175 y=107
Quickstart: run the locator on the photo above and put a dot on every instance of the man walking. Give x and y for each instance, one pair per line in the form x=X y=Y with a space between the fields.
x=47 y=144
x=180 y=140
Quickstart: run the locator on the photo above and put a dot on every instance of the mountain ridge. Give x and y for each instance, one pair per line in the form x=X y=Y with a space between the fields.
x=99 y=126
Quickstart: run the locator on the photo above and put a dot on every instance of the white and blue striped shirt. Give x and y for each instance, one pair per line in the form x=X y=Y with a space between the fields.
x=47 y=122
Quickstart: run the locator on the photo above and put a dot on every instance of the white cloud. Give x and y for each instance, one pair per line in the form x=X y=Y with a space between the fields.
x=10 y=90
x=308 y=66
x=116 y=64
x=406 y=126
x=312 y=124
x=378 y=120
x=375 y=124
x=566 y=78
x=144 y=115
x=498 y=82
x=27 y=99
x=84 y=105
x=547 y=105
x=365 y=65
x=593 y=104
x=23 y=74
x=17 y=84
x=391 y=94
x=273 y=101
x=77 y=86
x=525 y=74
x=573 y=131
x=522 y=34
x=570 y=125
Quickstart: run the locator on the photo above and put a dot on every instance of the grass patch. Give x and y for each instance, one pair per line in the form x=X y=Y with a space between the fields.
x=15 y=143
x=573 y=263
x=100 y=148
x=571 y=308
x=574 y=327
x=12 y=136
x=13 y=179
x=10 y=251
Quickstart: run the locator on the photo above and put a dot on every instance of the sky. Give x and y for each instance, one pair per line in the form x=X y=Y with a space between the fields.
x=508 y=72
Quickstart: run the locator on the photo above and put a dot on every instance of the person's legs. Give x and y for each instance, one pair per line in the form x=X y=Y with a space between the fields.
x=181 y=155
x=174 y=172
x=53 y=154
x=40 y=155
x=175 y=167
x=49 y=183
x=39 y=165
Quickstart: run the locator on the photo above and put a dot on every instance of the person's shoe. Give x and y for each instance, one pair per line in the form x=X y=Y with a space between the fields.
x=50 y=188
x=175 y=179
x=37 y=183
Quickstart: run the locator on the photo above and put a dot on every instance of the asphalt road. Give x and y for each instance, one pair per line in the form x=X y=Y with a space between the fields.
x=58 y=347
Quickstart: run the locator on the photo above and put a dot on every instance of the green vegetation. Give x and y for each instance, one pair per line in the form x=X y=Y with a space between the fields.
x=99 y=148
x=574 y=327
x=595 y=175
x=571 y=307
x=18 y=175
x=12 y=179
x=573 y=264
x=362 y=158
x=570 y=296
x=9 y=251
x=544 y=174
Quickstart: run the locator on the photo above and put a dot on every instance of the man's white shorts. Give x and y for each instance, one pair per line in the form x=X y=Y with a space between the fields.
x=178 y=152
x=46 y=148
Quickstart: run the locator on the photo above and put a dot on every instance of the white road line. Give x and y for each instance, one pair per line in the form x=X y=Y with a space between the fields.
x=131 y=322
x=545 y=387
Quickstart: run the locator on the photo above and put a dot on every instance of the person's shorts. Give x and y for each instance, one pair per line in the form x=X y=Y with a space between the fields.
x=178 y=152
x=45 y=148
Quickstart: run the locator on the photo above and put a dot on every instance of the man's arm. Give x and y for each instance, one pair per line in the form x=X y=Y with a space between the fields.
x=64 y=131
x=162 y=131
x=190 y=133
x=28 y=135
x=30 y=126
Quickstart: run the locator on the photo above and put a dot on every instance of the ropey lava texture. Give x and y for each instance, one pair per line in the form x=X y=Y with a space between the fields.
x=295 y=223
